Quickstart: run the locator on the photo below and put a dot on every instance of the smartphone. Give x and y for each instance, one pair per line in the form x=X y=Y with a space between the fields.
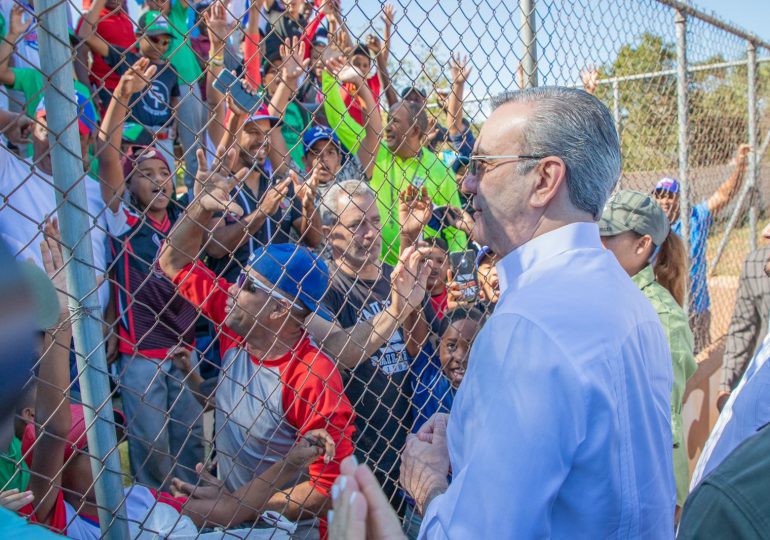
x=227 y=82
x=463 y=264
x=443 y=216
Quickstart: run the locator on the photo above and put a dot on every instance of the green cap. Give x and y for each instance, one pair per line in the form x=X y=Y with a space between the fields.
x=153 y=23
x=634 y=211
x=45 y=299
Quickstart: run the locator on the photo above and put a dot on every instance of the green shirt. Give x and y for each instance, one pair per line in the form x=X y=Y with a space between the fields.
x=13 y=470
x=732 y=501
x=680 y=340
x=31 y=83
x=179 y=52
x=293 y=126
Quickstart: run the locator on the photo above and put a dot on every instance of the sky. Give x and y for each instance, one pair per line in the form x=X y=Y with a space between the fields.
x=571 y=34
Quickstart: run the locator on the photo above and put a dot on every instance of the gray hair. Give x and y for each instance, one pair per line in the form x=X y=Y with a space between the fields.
x=575 y=126
x=330 y=207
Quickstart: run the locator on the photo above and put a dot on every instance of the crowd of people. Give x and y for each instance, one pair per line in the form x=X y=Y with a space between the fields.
x=326 y=314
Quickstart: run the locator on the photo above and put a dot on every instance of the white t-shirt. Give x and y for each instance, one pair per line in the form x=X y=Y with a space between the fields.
x=27 y=199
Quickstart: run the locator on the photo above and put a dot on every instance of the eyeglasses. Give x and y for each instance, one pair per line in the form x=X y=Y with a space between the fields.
x=475 y=166
x=250 y=284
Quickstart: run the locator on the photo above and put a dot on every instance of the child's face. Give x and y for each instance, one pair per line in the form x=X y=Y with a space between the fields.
x=488 y=281
x=438 y=274
x=455 y=348
x=151 y=185
x=154 y=47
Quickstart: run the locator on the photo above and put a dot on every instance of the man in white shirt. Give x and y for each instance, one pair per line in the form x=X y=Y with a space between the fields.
x=29 y=197
x=561 y=428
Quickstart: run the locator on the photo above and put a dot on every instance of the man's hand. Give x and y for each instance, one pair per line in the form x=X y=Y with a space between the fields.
x=293 y=61
x=305 y=191
x=425 y=462
x=742 y=156
x=408 y=281
x=18 y=130
x=53 y=262
x=590 y=77
x=14 y=501
x=455 y=294
x=310 y=447
x=414 y=211
x=216 y=25
x=344 y=72
x=272 y=198
x=361 y=508
x=213 y=187
x=136 y=78
x=460 y=68
x=208 y=487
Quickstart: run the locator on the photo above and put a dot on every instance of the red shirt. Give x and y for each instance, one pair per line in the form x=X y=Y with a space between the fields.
x=117 y=30
x=439 y=304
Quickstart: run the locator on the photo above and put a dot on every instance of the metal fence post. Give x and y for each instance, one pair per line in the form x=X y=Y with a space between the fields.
x=528 y=35
x=680 y=23
x=752 y=121
x=616 y=117
x=67 y=164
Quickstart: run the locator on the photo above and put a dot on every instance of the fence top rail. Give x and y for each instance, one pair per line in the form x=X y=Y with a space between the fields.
x=713 y=20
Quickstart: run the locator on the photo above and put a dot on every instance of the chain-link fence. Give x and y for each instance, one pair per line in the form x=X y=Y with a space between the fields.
x=247 y=193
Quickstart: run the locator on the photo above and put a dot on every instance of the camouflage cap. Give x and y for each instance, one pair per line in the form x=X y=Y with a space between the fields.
x=634 y=211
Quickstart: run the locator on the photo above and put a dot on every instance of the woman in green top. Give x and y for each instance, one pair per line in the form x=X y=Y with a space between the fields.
x=637 y=231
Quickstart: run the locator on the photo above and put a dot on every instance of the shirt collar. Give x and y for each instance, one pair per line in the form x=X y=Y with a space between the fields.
x=567 y=238
x=644 y=277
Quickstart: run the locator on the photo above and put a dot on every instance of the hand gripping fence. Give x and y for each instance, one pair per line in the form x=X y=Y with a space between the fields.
x=247 y=194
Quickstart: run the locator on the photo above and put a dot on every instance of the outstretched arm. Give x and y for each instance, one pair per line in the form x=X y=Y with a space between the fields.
x=460 y=70
x=52 y=406
x=388 y=18
x=729 y=188
x=136 y=79
x=87 y=30
x=16 y=27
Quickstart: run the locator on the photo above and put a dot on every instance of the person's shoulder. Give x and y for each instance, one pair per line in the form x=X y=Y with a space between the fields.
x=662 y=301
x=309 y=359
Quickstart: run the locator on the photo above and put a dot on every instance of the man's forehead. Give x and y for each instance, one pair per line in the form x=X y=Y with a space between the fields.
x=502 y=132
x=352 y=208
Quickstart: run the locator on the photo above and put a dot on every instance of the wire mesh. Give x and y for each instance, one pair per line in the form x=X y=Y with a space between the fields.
x=262 y=182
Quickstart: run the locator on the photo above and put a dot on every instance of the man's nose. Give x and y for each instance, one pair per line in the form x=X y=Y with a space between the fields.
x=470 y=183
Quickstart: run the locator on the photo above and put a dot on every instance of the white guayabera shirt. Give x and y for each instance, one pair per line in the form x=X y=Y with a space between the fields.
x=562 y=426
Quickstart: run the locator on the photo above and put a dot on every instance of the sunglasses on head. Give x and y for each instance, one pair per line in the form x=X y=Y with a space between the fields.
x=251 y=284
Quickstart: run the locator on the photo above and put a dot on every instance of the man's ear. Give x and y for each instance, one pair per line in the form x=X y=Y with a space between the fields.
x=551 y=175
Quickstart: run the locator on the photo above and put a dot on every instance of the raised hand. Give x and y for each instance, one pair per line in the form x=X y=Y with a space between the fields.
x=136 y=78
x=408 y=281
x=590 y=77
x=344 y=72
x=414 y=211
x=216 y=25
x=21 y=20
x=293 y=61
x=272 y=198
x=53 y=262
x=388 y=17
x=213 y=187
x=742 y=156
x=374 y=44
x=19 y=129
x=460 y=68
x=310 y=447
x=306 y=191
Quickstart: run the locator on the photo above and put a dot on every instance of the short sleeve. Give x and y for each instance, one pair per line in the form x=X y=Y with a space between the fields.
x=203 y=289
x=313 y=398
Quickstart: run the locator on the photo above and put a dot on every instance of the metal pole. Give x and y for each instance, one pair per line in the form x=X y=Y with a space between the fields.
x=752 y=172
x=68 y=174
x=738 y=208
x=616 y=117
x=680 y=23
x=528 y=35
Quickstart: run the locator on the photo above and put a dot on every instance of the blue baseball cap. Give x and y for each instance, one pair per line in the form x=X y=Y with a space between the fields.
x=667 y=184
x=296 y=272
x=483 y=253
x=319 y=133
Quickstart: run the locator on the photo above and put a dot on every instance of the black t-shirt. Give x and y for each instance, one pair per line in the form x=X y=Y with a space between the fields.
x=279 y=27
x=378 y=387
x=153 y=110
x=277 y=229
